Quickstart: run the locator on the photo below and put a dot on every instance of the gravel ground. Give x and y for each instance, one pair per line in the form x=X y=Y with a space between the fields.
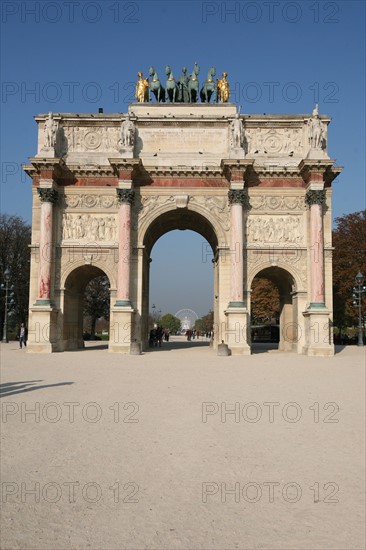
x=181 y=449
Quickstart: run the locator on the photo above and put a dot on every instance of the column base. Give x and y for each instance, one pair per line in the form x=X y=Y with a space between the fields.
x=122 y=329
x=236 y=304
x=235 y=332
x=318 y=332
x=43 y=303
x=44 y=335
x=316 y=306
x=123 y=303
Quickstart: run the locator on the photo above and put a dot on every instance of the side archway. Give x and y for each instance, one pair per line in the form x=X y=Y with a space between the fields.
x=290 y=330
x=73 y=304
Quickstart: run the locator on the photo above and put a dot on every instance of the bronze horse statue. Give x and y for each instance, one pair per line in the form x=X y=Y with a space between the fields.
x=156 y=87
x=193 y=84
x=208 y=88
x=172 y=90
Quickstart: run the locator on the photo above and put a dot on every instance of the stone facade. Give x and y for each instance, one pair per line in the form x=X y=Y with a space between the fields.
x=112 y=184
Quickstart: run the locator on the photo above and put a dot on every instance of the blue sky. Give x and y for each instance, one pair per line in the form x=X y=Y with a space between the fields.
x=281 y=57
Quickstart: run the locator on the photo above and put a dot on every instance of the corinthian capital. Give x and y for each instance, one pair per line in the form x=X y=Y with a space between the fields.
x=315 y=197
x=239 y=196
x=125 y=196
x=47 y=195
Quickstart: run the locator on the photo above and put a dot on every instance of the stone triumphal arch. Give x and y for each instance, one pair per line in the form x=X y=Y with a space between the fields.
x=107 y=186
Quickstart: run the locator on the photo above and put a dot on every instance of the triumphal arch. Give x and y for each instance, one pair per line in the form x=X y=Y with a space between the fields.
x=106 y=187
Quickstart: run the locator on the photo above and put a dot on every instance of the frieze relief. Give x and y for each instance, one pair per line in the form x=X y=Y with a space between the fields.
x=78 y=139
x=89 y=227
x=144 y=205
x=294 y=260
x=217 y=206
x=276 y=229
x=90 y=201
x=263 y=202
x=281 y=141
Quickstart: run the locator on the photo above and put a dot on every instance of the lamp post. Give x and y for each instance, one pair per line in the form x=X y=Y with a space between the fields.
x=5 y=327
x=357 y=302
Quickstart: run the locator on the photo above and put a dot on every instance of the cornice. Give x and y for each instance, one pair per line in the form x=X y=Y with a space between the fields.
x=187 y=172
x=326 y=167
x=79 y=170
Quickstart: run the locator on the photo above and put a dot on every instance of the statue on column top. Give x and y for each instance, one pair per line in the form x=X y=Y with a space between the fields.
x=316 y=130
x=237 y=131
x=127 y=132
x=50 y=131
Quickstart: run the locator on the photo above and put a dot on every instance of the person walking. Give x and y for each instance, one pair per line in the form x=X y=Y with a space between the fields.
x=23 y=335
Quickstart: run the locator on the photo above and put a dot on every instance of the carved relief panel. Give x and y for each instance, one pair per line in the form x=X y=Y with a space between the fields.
x=89 y=201
x=275 y=141
x=275 y=229
x=78 y=139
x=277 y=202
x=96 y=227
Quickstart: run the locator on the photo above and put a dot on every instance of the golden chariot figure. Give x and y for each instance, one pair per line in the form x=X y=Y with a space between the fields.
x=142 y=88
x=222 y=89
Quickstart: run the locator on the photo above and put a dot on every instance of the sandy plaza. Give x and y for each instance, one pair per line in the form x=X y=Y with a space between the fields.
x=181 y=449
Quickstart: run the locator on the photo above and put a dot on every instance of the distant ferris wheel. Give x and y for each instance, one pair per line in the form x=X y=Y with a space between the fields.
x=187 y=318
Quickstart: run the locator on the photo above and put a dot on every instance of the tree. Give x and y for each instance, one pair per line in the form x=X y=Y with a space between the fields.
x=205 y=324
x=265 y=300
x=15 y=238
x=349 y=257
x=97 y=299
x=170 y=321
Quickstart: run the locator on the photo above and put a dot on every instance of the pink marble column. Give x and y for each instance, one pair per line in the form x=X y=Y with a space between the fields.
x=237 y=268
x=125 y=197
x=48 y=197
x=237 y=198
x=316 y=200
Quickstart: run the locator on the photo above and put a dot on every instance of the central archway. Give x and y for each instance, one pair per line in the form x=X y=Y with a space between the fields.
x=181 y=219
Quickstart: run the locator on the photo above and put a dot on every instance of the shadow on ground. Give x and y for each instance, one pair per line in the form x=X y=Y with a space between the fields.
x=170 y=346
x=12 y=388
x=91 y=346
x=264 y=348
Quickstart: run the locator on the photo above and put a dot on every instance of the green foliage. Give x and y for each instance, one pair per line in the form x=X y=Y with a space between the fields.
x=170 y=321
x=349 y=257
x=15 y=238
x=96 y=302
x=205 y=324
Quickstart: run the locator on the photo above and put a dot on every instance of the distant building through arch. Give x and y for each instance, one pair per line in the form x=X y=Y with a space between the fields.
x=187 y=317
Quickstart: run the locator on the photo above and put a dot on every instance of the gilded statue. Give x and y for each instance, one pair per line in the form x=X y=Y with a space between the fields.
x=222 y=89
x=142 y=88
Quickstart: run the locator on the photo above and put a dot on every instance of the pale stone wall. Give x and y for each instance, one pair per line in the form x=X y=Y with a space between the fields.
x=181 y=163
